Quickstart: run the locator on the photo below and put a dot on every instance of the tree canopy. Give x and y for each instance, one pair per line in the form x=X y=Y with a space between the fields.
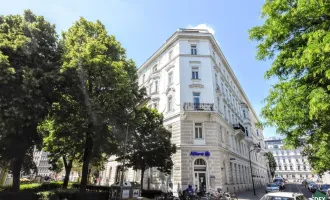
x=102 y=84
x=149 y=143
x=271 y=162
x=296 y=35
x=29 y=63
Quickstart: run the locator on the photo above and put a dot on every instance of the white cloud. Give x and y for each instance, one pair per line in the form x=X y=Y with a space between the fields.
x=203 y=26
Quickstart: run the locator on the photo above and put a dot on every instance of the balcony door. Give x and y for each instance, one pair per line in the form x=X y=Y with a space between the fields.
x=196 y=97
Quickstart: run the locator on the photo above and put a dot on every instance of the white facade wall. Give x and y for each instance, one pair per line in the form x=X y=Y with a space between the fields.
x=290 y=163
x=41 y=160
x=221 y=105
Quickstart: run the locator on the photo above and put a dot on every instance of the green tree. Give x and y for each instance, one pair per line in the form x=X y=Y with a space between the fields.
x=29 y=63
x=62 y=140
x=150 y=143
x=102 y=82
x=271 y=162
x=296 y=35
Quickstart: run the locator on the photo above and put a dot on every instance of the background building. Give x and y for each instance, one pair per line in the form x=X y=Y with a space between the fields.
x=40 y=158
x=211 y=119
x=290 y=163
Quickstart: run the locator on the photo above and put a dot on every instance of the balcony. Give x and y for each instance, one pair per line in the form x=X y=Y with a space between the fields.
x=249 y=141
x=239 y=131
x=198 y=107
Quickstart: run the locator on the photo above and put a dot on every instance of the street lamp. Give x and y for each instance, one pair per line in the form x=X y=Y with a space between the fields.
x=257 y=149
x=137 y=107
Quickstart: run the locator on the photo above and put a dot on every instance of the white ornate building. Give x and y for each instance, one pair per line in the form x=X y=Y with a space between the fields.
x=40 y=158
x=290 y=163
x=211 y=119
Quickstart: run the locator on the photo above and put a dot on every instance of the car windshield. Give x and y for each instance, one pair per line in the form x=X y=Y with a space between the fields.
x=272 y=185
x=277 y=180
x=278 y=198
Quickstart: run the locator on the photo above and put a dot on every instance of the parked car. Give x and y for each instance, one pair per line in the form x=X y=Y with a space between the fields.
x=279 y=181
x=283 y=196
x=310 y=185
x=324 y=188
x=272 y=187
x=314 y=188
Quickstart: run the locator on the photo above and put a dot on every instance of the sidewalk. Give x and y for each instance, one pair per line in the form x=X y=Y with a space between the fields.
x=248 y=195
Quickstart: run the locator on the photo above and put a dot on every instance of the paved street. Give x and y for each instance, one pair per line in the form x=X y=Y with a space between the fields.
x=260 y=192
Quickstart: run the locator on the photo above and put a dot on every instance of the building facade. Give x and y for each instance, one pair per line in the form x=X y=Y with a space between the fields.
x=40 y=158
x=290 y=163
x=211 y=119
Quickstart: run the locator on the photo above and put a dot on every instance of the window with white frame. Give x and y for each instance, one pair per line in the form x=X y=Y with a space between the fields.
x=169 y=103
x=155 y=105
x=193 y=49
x=244 y=114
x=195 y=72
x=156 y=86
x=170 y=55
x=198 y=131
x=155 y=68
x=170 y=128
x=170 y=78
x=150 y=87
x=143 y=78
x=218 y=100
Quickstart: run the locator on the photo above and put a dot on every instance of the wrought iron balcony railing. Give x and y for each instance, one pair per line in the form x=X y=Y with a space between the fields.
x=198 y=106
x=239 y=126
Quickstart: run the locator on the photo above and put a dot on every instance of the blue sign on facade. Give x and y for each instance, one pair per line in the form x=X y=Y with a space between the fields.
x=195 y=153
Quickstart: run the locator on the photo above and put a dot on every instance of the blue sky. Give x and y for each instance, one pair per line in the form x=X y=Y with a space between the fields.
x=142 y=26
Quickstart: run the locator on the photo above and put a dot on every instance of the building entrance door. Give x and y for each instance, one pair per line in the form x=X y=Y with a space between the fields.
x=200 y=181
x=200 y=178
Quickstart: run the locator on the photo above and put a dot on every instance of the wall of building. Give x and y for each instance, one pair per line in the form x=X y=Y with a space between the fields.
x=222 y=102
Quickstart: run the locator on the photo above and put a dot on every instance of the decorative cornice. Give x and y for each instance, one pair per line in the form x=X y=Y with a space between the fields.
x=196 y=86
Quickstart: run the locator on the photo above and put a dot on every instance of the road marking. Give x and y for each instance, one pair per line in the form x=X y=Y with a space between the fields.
x=298 y=188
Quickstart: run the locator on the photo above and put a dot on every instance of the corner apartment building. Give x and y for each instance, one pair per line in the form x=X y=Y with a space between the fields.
x=290 y=163
x=211 y=119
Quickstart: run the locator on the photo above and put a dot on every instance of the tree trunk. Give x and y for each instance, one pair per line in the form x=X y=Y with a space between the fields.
x=68 y=167
x=17 y=166
x=142 y=175
x=86 y=159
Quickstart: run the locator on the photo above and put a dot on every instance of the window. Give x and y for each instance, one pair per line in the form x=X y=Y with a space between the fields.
x=155 y=68
x=195 y=74
x=225 y=111
x=150 y=86
x=169 y=103
x=216 y=77
x=170 y=78
x=218 y=100
x=244 y=114
x=257 y=133
x=246 y=131
x=155 y=105
x=198 y=131
x=196 y=98
x=169 y=55
x=193 y=49
x=170 y=128
x=143 y=78
x=199 y=162
x=156 y=86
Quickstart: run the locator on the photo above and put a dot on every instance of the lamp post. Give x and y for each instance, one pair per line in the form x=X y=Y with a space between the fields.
x=138 y=107
x=257 y=148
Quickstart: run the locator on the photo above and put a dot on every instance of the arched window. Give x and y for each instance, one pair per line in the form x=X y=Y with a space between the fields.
x=200 y=162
